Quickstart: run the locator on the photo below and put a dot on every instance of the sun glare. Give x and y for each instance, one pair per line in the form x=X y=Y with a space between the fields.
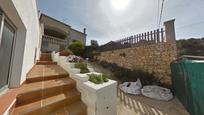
x=120 y=4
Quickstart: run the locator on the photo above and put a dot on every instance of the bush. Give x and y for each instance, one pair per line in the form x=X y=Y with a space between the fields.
x=82 y=66
x=125 y=74
x=90 y=52
x=98 y=79
x=66 y=52
x=190 y=47
x=77 y=47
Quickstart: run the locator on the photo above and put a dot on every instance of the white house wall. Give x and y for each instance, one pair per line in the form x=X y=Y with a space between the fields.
x=28 y=12
x=24 y=15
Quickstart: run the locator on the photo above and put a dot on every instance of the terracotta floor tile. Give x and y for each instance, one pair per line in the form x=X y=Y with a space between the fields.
x=57 y=91
x=7 y=98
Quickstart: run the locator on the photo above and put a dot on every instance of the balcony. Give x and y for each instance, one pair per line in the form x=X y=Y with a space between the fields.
x=54 y=40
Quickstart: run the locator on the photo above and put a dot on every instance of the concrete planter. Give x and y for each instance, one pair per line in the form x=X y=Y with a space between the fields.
x=75 y=70
x=100 y=98
x=71 y=65
x=82 y=77
x=91 y=69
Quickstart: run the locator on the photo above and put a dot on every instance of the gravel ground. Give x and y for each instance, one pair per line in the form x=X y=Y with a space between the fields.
x=140 y=105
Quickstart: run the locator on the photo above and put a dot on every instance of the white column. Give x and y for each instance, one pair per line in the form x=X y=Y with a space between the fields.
x=170 y=31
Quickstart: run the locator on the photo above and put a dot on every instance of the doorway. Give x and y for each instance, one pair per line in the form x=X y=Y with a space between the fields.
x=7 y=34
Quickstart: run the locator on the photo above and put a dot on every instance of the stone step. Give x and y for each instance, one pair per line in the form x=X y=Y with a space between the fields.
x=45 y=59
x=46 y=63
x=45 y=78
x=77 y=108
x=45 y=54
x=45 y=72
x=49 y=105
x=40 y=90
x=48 y=90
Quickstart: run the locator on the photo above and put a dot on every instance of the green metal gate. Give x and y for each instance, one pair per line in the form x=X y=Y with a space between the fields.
x=188 y=83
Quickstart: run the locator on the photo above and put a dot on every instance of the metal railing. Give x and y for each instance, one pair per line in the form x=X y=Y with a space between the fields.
x=152 y=37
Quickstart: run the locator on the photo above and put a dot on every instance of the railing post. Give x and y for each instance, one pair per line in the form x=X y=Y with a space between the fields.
x=137 y=38
x=148 y=36
x=170 y=31
x=155 y=36
x=162 y=35
x=158 y=36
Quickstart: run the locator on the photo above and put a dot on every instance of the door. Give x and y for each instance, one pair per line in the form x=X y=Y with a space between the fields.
x=7 y=33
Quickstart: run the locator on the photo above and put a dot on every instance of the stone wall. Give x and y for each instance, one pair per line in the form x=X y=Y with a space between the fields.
x=153 y=58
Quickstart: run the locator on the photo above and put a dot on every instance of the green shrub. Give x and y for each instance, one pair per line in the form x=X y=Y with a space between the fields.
x=90 y=52
x=105 y=77
x=82 y=66
x=125 y=74
x=98 y=79
x=190 y=47
x=84 y=70
x=77 y=47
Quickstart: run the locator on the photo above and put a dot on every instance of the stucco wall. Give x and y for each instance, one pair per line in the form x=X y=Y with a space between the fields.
x=28 y=12
x=24 y=15
x=154 y=58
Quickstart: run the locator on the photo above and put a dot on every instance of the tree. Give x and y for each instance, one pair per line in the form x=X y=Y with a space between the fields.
x=94 y=43
x=77 y=47
x=92 y=50
x=190 y=47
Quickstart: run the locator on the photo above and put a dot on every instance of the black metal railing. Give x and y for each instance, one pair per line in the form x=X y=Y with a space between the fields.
x=152 y=37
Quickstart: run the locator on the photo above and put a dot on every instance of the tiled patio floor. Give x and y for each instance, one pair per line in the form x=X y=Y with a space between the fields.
x=140 y=105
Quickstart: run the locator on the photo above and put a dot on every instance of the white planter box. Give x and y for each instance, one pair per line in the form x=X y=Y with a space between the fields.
x=71 y=64
x=91 y=69
x=82 y=77
x=75 y=70
x=101 y=99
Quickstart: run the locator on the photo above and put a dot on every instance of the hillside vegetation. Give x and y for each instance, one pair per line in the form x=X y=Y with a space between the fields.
x=190 y=47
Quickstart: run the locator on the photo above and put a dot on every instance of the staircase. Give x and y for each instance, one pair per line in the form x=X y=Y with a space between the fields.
x=49 y=91
x=45 y=59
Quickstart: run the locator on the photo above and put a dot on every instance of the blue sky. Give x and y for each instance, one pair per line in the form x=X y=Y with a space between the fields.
x=108 y=20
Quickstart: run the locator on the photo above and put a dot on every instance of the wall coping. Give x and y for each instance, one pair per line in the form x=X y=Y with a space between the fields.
x=97 y=87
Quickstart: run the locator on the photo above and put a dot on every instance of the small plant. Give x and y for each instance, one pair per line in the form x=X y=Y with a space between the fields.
x=82 y=66
x=98 y=79
x=105 y=77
